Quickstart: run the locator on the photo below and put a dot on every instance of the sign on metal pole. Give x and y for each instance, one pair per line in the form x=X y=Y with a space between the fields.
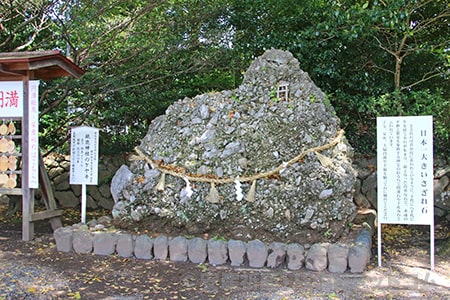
x=84 y=161
x=405 y=173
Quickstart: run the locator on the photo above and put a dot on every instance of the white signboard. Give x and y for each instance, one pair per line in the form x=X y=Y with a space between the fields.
x=405 y=174
x=11 y=99
x=33 y=134
x=84 y=156
x=12 y=106
x=405 y=170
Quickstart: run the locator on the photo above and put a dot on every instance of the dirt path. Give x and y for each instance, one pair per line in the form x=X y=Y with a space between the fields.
x=35 y=270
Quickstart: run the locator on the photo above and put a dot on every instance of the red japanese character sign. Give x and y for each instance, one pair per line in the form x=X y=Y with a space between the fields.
x=11 y=99
x=12 y=106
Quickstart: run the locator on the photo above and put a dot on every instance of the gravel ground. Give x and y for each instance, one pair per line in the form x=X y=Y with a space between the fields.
x=35 y=270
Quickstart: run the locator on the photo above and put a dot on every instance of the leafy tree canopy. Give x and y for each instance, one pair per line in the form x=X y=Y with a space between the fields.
x=373 y=58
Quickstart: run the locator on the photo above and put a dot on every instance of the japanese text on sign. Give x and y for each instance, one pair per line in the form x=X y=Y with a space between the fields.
x=405 y=170
x=11 y=99
x=33 y=134
x=84 y=156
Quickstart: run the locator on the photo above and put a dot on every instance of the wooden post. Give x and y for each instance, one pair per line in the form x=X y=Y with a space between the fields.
x=27 y=193
x=49 y=198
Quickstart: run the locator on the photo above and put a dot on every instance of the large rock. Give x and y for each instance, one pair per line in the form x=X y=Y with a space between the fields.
x=239 y=137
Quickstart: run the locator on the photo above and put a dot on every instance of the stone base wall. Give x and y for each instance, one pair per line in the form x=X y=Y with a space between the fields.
x=337 y=258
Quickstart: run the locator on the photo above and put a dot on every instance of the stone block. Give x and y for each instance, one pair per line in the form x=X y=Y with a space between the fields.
x=316 y=259
x=236 y=252
x=295 y=256
x=358 y=258
x=66 y=199
x=217 y=252
x=256 y=253
x=197 y=252
x=63 y=238
x=143 y=247
x=125 y=245
x=82 y=241
x=105 y=243
x=277 y=255
x=360 y=253
x=337 y=258
x=160 y=247
x=178 y=249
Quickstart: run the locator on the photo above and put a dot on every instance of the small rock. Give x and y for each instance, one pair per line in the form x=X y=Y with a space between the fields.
x=337 y=258
x=178 y=249
x=197 y=250
x=217 y=252
x=295 y=256
x=82 y=241
x=277 y=255
x=125 y=245
x=160 y=247
x=63 y=239
x=236 y=251
x=256 y=253
x=105 y=243
x=316 y=259
x=143 y=247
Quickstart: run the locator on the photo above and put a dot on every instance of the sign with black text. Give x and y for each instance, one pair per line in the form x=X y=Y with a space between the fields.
x=405 y=170
x=84 y=155
x=405 y=174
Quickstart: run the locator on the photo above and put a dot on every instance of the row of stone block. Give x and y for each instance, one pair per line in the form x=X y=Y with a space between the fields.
x=336 y=257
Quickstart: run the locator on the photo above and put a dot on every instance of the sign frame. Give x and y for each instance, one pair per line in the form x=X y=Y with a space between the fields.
x=405 y=174
x=84 y=161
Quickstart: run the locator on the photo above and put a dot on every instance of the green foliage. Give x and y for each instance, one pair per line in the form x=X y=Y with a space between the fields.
x=362 y=131
x=372 y=58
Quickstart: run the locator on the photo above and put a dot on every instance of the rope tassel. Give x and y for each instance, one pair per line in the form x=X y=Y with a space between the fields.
x=162 y=180
x=213 y=196
x=324 y=160
x=188 y=189
x=239 y=195
x=251 y=192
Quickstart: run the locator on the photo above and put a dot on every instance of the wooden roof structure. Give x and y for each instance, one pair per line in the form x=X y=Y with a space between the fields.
x=37 y=65
x=26 y=66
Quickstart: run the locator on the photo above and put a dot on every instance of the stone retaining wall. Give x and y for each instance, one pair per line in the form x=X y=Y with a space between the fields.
x=67 y=195
x=338 y=258
x=365 y=195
